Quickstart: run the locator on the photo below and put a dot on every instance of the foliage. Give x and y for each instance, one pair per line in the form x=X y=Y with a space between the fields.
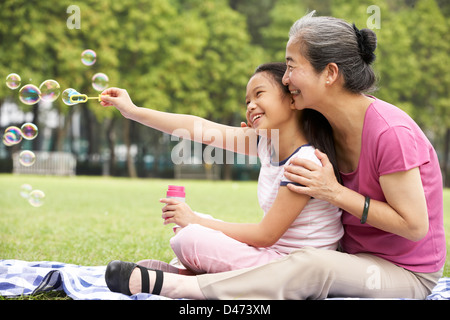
x=193 y=56
x=283 y=15
x=156 y=49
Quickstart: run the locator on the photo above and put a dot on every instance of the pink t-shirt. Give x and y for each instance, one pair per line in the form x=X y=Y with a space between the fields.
x=393 y=142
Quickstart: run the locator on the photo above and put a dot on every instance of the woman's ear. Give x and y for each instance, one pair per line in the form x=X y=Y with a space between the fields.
x=331 y=73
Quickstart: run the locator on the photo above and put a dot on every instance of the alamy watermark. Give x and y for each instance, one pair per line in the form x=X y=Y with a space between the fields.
x=74 y=20
x=374 y=21
x=373 y=281
x=221 y=142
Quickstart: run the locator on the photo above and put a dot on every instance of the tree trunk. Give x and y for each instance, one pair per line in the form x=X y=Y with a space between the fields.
x=89 y=130
x=445 y=173
x=111 y=138
x=132 y=173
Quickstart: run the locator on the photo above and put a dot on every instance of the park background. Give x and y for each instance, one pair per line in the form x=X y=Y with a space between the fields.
x=185 y=56
x=192 y=56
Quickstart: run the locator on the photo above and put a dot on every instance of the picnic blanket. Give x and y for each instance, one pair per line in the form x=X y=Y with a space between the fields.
x=19 y=278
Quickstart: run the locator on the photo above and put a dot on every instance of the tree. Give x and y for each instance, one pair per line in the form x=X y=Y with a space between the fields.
x=431 y=45
x=257 y=13
x=276 y=35
x=179 y=56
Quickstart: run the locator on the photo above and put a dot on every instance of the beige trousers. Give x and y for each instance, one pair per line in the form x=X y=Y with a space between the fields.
x=311 y=273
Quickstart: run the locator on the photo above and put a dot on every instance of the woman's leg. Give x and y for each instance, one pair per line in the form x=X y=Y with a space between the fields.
x=317 y=274
x=305 y=274
x=204 y=250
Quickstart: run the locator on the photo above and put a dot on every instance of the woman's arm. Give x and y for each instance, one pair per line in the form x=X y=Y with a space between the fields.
x=278 y=219
x=243 y=140
x=405 y=212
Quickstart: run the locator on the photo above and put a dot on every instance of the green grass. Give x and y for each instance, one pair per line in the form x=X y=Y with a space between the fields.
x=92 y=220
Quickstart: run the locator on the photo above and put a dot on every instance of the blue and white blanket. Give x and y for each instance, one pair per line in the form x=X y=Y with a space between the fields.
x=21 y=278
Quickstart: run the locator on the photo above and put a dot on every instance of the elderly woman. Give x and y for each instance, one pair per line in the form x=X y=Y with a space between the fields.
x=394 y=242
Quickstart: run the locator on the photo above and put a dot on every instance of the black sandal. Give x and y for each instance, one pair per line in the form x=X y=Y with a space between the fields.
x=118 y=274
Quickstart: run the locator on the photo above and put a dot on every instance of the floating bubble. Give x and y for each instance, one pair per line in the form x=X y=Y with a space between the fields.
x=12 y=136
x=30 y=94
x=50 y=90
x=7 y=138
x=66 y=96
x=29 y=131
x=13 y=81
x=25 y=190
x=100 y=81
x=36 y=198
x=27 y=158
x=88 y=57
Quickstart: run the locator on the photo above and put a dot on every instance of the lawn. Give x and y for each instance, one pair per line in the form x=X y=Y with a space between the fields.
x=92 y=220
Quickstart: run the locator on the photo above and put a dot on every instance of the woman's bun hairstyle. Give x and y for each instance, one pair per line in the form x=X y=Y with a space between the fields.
x=367 y=42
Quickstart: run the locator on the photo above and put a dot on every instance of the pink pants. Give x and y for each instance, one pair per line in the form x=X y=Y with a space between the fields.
x=204 y=250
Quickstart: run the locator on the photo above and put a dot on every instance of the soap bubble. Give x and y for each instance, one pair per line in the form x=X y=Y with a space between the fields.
x=13 y=81
x=27 y=158
x=50 y=90
x=30 y=94
x=100 y=81
x=29 y=131
x=66 y=96
x=36 y=198
x=12 y=136
x=25 y=190
x=88 y=57
x=7 y=138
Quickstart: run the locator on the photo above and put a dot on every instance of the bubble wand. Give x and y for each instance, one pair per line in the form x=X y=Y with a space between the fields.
x=82 y=98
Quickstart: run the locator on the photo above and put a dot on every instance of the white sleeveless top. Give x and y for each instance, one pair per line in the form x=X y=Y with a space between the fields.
x=318 y=224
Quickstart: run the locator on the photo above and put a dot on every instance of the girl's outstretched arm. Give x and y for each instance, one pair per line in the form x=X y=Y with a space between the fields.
x=208 y=132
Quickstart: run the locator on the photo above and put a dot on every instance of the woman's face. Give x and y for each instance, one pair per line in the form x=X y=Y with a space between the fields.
x=303 y=81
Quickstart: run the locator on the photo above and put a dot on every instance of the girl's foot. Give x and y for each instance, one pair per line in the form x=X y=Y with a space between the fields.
x=129 y=278
x=121 y=276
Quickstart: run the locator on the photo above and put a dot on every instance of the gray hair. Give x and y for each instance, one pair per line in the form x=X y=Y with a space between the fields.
x=325 y=40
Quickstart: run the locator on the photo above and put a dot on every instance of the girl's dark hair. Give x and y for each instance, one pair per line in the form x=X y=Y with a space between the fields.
x=315 y=126
x=319 y=133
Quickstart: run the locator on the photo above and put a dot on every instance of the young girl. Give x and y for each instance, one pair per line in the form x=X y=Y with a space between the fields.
x=291 y=221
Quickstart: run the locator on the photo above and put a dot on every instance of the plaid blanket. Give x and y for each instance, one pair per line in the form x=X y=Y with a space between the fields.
x=19 y=278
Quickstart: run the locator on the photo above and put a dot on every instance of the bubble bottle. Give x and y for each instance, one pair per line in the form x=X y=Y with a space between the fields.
x=177 y=193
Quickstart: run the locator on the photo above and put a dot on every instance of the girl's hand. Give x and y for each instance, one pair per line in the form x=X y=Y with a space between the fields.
x=118 y=98
x=178 y=212
x=245 y=125
x=317 y=182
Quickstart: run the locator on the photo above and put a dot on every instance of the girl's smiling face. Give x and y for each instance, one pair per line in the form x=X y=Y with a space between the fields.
x=268 y=106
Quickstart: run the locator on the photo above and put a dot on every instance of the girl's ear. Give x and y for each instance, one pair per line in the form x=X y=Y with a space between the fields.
x=292 y=105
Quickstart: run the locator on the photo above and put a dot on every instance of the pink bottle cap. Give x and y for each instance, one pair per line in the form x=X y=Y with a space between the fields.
x=176 y=191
